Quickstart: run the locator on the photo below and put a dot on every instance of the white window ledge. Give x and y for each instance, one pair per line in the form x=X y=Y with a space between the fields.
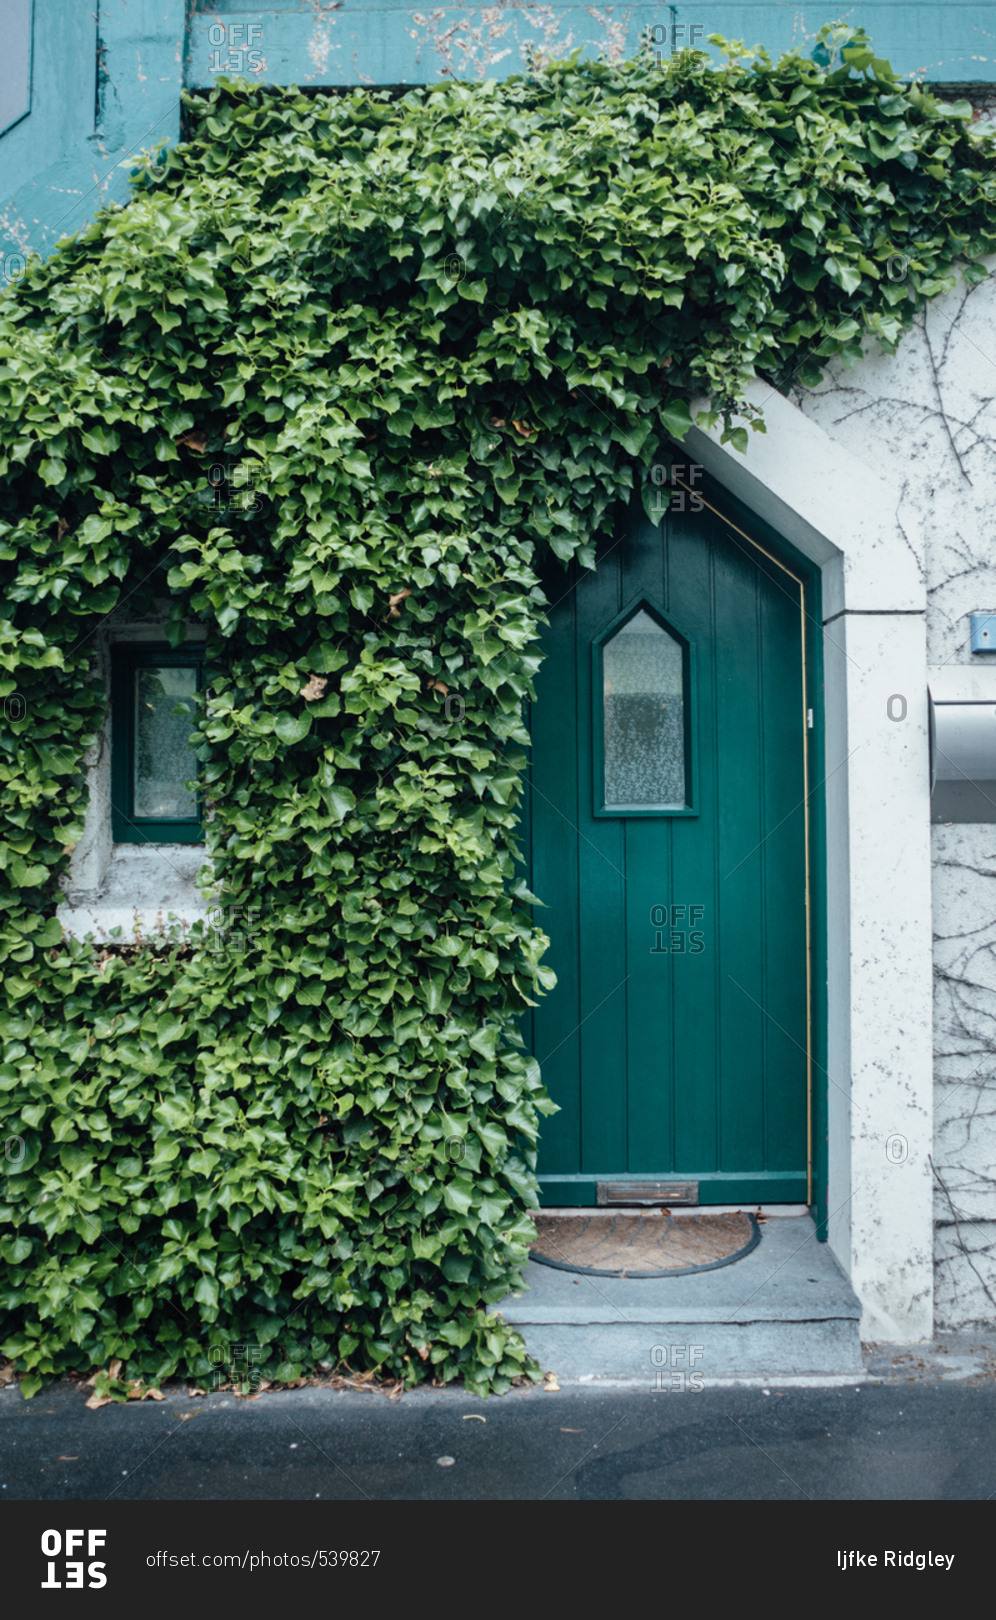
x=143 y=884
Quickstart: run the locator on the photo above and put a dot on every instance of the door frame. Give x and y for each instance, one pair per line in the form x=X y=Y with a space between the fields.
x=852 y=523
x=752 y=535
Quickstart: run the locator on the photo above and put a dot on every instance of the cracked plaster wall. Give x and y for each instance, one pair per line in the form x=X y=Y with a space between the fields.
x=927 y=417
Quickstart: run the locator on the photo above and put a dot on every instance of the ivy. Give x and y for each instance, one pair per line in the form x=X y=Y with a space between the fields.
x=423 y=339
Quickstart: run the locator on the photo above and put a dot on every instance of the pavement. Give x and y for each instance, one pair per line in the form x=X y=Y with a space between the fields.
x=917 y=1424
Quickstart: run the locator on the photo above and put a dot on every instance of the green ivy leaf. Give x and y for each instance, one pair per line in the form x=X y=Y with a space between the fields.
x=292 y=728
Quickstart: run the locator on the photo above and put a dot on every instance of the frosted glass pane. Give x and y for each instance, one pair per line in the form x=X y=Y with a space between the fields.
x=642 y=672
x=164 y=718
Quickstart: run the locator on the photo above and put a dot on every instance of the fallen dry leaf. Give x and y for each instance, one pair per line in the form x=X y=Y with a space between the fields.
x=392 y=603
x=185 y=1417
x=194 y=440
x=437 y=686
x=572 y=1431
x=261 y=1388
x=473 y=1417
x=114 y=1370
x=69 y=1459
x=96 y=1401
x=314 y=689
x=551 y=1384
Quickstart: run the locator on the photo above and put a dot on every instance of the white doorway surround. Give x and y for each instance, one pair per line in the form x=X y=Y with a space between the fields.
x=843 y=516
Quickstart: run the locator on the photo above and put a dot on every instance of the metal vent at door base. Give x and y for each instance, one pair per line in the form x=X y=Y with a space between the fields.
x=643 y=1193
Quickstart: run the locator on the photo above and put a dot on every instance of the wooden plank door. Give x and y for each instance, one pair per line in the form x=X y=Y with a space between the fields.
x=667 y=826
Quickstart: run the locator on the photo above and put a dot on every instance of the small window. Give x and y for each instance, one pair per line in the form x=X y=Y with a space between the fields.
x=153 y=707
x=643 y=671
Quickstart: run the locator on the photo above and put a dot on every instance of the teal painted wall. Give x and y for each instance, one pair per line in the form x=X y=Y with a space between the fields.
x=105 y=85
x=106 y=74
x=375 y=42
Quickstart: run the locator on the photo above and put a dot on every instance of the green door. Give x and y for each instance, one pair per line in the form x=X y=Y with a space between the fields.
x=667 y=827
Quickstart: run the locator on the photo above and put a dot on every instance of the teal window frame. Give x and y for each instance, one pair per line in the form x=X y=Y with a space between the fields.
x=633 y=812
x=126 y=827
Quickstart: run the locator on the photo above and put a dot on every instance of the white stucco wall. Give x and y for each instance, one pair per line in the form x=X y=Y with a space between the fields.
x=926 y=420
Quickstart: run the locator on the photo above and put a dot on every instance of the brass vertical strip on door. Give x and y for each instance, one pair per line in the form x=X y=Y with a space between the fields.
x=798 y=581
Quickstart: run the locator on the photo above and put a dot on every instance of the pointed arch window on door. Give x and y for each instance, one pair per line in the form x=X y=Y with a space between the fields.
x=643 y=752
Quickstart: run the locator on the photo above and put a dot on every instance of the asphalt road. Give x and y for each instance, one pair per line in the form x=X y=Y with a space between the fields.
x=915 y=1441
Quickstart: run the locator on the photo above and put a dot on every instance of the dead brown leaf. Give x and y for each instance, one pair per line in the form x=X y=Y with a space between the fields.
x=523 y=428
x=69 y=1459
x=61 y=528
x=314 y=689
x=551 y=1385
x=114 y=1370
x=97 y=1401
x=185 y=1417
x=7 y=1373
x=496 y=421
x=473 y=1417
x=437 y=686
x=392 y=603
x=194 y=440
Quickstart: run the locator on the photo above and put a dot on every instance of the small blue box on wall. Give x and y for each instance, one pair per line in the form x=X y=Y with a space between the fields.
x=984 y=632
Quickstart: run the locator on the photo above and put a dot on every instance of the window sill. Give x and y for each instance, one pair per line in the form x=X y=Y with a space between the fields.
x=143 y=884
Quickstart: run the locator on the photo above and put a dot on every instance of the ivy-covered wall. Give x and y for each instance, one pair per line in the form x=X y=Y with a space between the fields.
x=103 y=81
x=443 y=332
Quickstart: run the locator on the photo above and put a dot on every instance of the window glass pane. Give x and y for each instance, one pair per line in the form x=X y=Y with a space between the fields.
x=642 y=672
x=164 y=718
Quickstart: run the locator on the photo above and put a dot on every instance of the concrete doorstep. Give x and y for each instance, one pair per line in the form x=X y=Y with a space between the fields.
x=784 y=1309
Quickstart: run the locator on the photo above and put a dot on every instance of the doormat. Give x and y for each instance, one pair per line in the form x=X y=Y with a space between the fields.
x=658 y=1245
